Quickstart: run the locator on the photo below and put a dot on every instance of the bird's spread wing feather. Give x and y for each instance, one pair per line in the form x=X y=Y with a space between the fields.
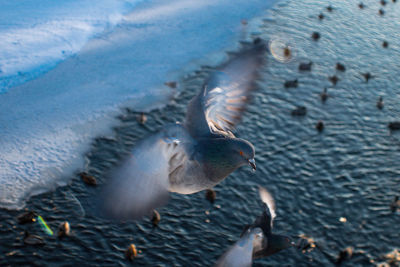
x=241 y=253
x=267 y=198
x=141 y=182
x=220 y=104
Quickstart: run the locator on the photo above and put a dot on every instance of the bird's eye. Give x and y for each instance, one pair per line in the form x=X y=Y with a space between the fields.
x=241 y=153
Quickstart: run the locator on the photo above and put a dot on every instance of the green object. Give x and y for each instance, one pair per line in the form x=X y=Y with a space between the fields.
x=44 y=225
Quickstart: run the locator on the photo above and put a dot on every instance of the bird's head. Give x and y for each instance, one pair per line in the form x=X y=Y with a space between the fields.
x=244 y=151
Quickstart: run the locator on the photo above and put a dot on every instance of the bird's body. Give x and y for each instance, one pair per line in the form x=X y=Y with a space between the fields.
x=195 y=155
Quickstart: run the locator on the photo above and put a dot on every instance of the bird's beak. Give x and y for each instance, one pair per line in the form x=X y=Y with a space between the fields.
x=252 y=163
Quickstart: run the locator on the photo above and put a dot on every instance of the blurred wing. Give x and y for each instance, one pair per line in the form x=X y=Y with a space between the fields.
x=267 y=198
x=219 y=106
x=141 y=182
x=241 y=253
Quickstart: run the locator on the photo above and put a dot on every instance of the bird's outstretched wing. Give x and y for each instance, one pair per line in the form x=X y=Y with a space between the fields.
x=141 y=182
x=267 y=198
x=221 y=102
x=241 y=253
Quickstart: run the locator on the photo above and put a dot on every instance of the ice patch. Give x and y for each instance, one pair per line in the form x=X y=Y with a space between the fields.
x=47 y=124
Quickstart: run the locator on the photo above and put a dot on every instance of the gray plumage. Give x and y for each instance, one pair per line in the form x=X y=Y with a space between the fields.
x=193 y=156
x=260 y=240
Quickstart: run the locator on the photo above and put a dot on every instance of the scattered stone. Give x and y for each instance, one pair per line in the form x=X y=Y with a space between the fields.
x=395 y=125
x=329 y=8
x=393 y=257
x=156 y=218
x=342 y=219
x=383 y=2
x=64 y=229
x=379 y=104
x=306 y=244
x=345 y=254
x=340 y=67
x=291 y=84
x=321 y=16
x=211 y=195
x=319 y=126
x=381 y=12
x=287 y=52
x=88 y=179
x=367 y=76
x=305 y=66
x=131 y=252
x=142 y=118
x=316 y=36
x=333 y=79
x=11 y=253
x=385 y=44
x=324 y=95
x=395 y=205
x=33 y=240
x=299 y=111
x=361 y=5
x=27 y=217
x=172 y=84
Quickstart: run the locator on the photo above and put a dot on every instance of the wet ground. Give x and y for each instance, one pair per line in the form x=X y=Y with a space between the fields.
x=335 y=186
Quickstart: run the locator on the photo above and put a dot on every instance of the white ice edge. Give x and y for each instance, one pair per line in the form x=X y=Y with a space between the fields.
x=47 y=124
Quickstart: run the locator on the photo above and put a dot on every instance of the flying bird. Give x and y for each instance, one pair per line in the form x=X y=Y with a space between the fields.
x=194 y=155
x=257 y=240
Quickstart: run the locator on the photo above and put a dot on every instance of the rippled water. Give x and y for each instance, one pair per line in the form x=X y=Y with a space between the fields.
x=349 y=170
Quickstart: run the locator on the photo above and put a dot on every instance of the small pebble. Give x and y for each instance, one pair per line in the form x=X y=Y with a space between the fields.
x=394 y=125
x=211 y=195
x=305 y=66
x=345 y=254
x=333 y=79
x=324 y=95
x=142 y=118
x=385 y=44
x=395 y=205
x=64 y=229
x=88 y=179
x=299 y=111
x=321 y=16
x=156 y=218
x=381 y=12
x=27 y=217
x=207 y=220
x=171 y=84
x=340 y=67
x=379 y=104
x=361 y=5
x=329 y=8
x=316 y=36
x=286 y=52
x=383 y=2
x=207 y=212
x=131 y=252
x=244 y=22
x=367 y=76
x=342 y=219
x=33 y=240
x=291 y=84
x=319 y=126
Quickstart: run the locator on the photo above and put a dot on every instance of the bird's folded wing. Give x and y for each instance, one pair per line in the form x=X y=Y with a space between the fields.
x=140 y=184
x=220 y=104
x=241 y=253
